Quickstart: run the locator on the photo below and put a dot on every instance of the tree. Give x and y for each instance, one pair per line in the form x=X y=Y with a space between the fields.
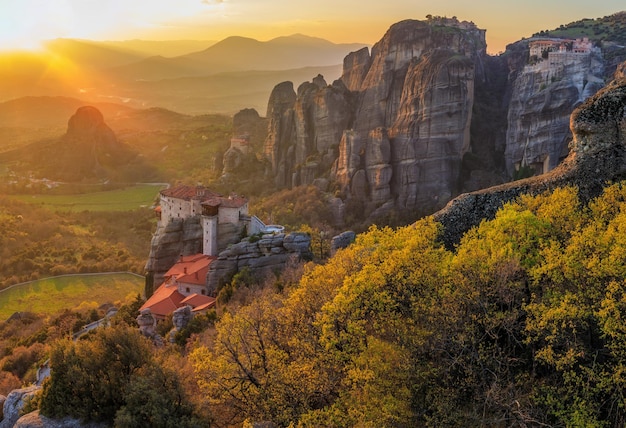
x=155 y=398
x=88 y=378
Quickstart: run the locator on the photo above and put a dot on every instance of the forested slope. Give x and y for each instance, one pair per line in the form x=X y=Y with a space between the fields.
x=520 y=324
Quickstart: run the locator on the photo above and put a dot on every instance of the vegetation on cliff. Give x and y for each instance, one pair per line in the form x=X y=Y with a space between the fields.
x=519 y=324
x=610 y=28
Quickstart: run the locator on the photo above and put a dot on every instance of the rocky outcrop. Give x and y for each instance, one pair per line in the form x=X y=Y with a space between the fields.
x=597 y=157
x=147 y=327
x=543 y=98
x=178 y=237
x=305 y=129
x=281 y=131
x=263 y=257
x=88 y=152
x=180 y=319
x=87 y=124
x=37 y=420
x=394 y=127
x=14 y=402
x=343 y=240
x=91 y=149
x=250 y=127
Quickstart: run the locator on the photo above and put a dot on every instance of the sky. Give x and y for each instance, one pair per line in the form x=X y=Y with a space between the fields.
x=25 y=23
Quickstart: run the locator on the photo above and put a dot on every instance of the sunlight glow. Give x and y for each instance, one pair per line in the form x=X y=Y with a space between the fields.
x=25 y=24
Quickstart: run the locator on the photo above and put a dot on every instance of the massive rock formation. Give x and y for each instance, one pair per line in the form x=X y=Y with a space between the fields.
x=88 y=152
x=394 y=127
x=597 y=157
x=90 y=149
x=427 y=115
x=543 y=97
x=178 y=237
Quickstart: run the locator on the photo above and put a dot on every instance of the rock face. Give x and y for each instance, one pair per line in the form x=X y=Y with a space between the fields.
x=394 y=127
x=597 y=156
x=263 y=257
x=92 y=145
x=87 y=124
x=179 y=236
x=14 y=403
x=543 y=98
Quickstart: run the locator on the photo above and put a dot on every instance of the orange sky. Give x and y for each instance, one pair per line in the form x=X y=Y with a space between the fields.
x=24 y=23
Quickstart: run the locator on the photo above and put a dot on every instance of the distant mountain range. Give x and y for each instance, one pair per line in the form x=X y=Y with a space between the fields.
x=232 y=74
x=242 y=54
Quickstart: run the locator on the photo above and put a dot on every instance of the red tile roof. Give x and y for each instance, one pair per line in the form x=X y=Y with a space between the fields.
x=164 y=301
x=198 y=301
x=191 y=269
x=189 y=192
x=204 y=307
x=206 y=196
x=234 y=202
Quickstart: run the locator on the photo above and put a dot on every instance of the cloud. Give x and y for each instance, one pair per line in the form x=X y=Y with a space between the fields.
x=212 y=2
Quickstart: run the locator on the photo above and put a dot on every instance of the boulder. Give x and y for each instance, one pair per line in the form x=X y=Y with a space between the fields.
x=14 y=403
x=343 y=240
x=36 y=420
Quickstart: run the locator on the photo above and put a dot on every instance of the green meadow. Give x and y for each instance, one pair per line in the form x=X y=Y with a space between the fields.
x=52 y=295
x=127 y=199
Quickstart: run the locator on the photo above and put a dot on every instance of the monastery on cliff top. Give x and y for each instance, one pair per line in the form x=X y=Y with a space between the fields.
x=185 y=282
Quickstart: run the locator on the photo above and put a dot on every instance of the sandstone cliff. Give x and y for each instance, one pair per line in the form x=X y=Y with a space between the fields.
x=394 y=128
x=543 y=97
x=597 y=157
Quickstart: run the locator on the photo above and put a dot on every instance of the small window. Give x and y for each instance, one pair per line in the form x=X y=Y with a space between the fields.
x=203 y=292
x=187 y=289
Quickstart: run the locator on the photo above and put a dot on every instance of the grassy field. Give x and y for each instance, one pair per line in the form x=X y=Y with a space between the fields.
x=50 y=296
x=126 y=199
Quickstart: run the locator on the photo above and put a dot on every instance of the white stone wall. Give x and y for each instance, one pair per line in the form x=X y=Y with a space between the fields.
x=231 y=215
x=209 y=235
x=172 y=208
x=189 y=289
